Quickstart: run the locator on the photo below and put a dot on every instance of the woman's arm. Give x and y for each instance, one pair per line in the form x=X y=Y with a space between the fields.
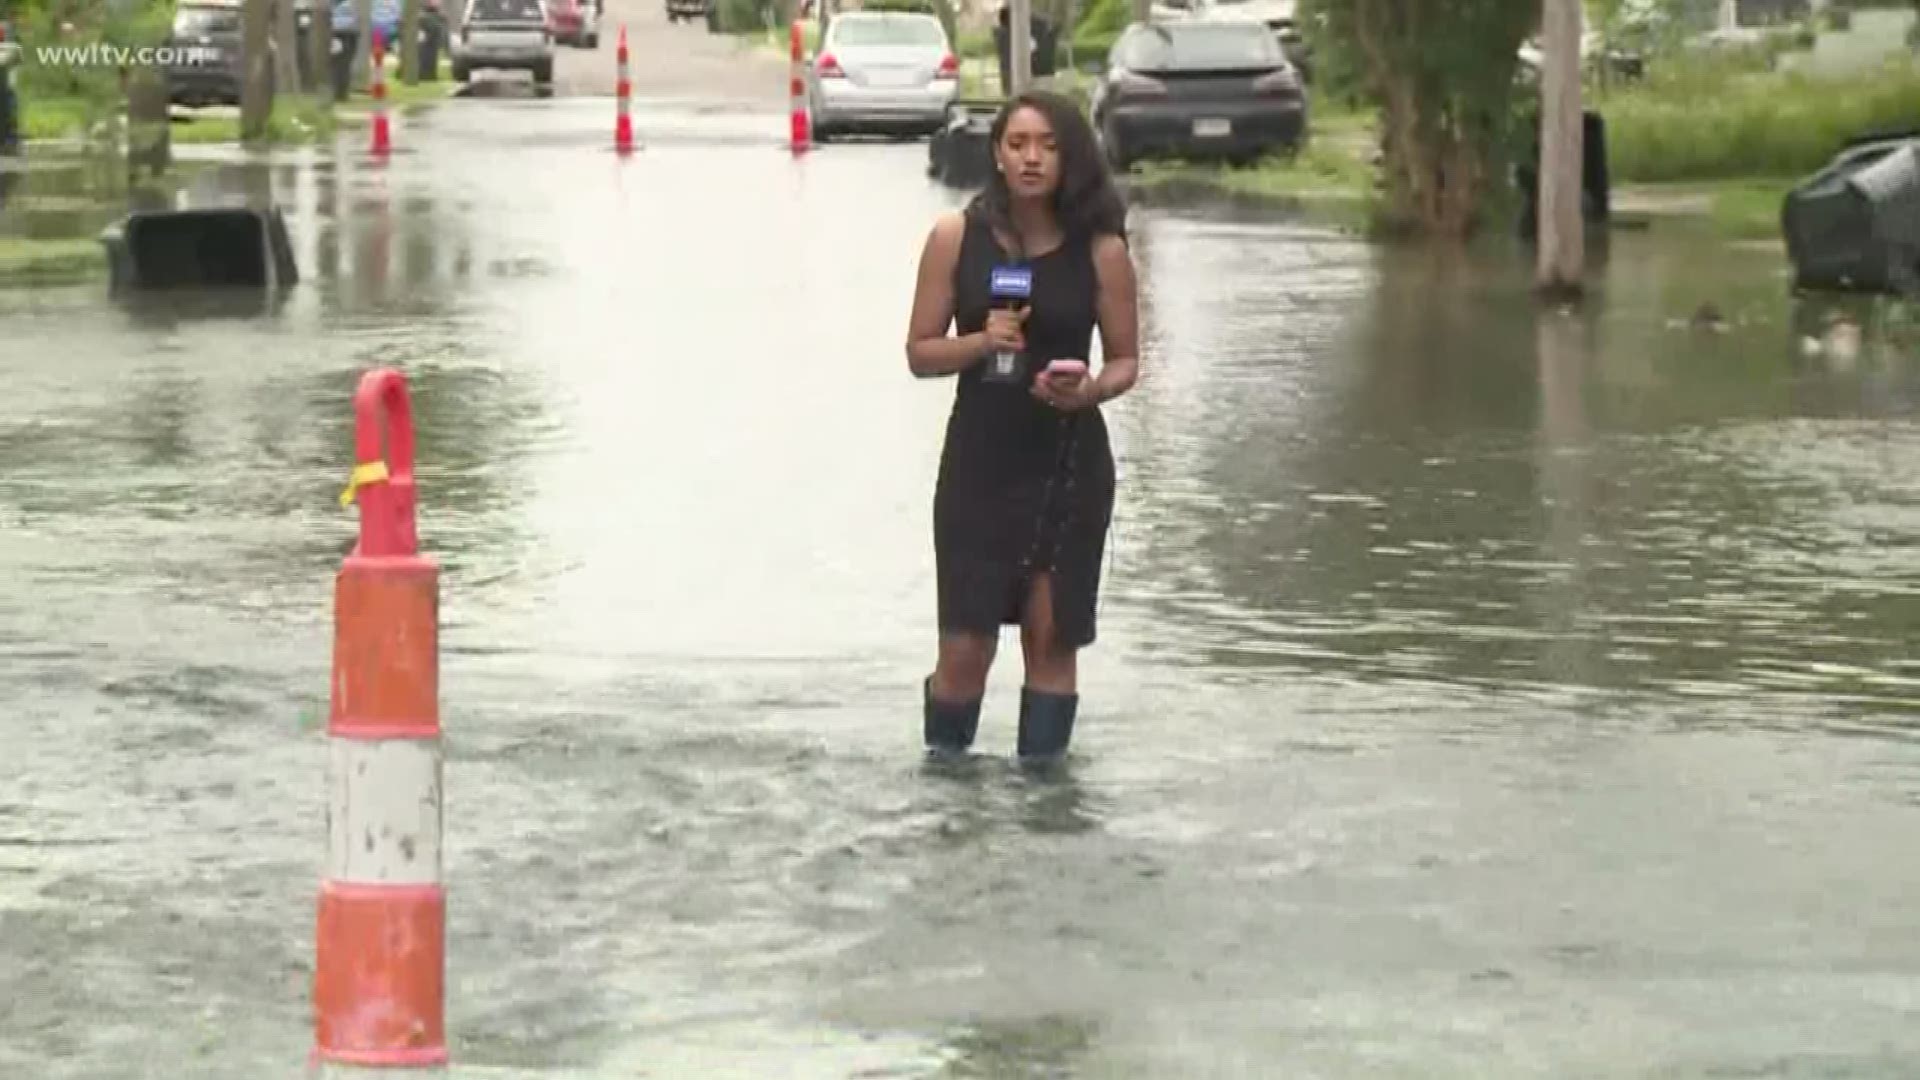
x=930 y=352
x=1119 y=313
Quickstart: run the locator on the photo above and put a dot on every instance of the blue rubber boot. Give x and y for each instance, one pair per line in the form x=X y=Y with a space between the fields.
x=1046 y=723
x=948 y=726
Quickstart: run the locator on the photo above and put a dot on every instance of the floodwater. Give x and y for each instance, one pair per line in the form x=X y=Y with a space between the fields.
x=1477 y=694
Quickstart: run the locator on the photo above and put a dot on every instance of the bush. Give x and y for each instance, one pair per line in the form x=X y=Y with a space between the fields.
x=1756 y=125
x=746 y=16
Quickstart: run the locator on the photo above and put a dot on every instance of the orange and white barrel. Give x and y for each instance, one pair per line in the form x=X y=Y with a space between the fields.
x=380 y=973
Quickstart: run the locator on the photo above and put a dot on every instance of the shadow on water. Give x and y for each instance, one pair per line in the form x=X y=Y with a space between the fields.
x=1040 y=1048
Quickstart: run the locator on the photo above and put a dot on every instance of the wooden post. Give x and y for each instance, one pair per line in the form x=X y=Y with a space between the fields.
x=1562 y=228
x=1142 y=10
x=1020 y=45
x=256 y=80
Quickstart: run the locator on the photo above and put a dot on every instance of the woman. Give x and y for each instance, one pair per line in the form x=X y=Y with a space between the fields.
x=1025 y=490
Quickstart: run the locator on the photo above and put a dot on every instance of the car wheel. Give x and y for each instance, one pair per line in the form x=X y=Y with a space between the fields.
x=593 y=40
x=543 y=74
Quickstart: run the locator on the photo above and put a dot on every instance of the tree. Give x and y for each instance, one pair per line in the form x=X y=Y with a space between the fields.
x=1441 y=73
x=256 y=73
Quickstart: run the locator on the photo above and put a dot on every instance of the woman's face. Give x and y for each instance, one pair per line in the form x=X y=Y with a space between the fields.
x=1028 y=157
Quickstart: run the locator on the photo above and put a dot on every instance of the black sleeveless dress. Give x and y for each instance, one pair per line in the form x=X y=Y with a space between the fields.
x=1023 y=487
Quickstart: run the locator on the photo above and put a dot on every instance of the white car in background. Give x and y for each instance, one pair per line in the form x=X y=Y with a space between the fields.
x=882 y=70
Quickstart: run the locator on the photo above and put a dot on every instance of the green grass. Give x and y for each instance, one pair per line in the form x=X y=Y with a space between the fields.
x=26 y=261
x=1699 y=125
x=296 y=118
x=1749 y=209
x=53 y=118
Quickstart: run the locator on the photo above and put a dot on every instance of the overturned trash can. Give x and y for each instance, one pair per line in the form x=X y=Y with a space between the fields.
x=227 y=248
x=1855 y=225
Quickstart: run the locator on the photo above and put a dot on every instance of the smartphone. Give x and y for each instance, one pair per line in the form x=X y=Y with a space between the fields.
x=1066 y=369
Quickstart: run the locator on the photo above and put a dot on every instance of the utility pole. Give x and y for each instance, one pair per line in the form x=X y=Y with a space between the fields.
x=1020 y=45
x=1562 y=228
x=1142 y=11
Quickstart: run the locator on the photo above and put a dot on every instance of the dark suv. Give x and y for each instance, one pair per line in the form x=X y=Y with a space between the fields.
x=205 y=41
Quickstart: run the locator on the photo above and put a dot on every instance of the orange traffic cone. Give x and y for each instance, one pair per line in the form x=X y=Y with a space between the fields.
x=382 y=137
x=623 y=90
x=799 y=138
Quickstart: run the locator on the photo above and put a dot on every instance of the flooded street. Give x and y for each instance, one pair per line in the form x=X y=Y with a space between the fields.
x=1477 y=695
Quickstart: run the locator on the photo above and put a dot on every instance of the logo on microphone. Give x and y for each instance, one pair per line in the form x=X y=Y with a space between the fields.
x=1012 y=282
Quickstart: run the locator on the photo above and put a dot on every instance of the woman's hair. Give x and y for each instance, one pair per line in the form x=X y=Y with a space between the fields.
x=1087 y=203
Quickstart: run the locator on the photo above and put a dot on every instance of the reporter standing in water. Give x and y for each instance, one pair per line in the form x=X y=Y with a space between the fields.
x=1025 y=490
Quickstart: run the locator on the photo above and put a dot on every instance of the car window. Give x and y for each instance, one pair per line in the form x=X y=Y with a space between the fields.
x=849 y=31
x=506 y=9
x=197 y=21
x=1197 y=46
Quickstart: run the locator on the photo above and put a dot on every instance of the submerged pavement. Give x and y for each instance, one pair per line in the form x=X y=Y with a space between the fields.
x=1477 y=695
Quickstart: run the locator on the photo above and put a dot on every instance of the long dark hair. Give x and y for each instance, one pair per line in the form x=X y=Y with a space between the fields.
x=1087 y=203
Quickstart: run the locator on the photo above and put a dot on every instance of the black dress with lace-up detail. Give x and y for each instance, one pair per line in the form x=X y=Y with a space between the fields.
x=1024 y=488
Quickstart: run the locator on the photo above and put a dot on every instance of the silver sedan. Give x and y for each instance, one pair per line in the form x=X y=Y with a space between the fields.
x=882 y=70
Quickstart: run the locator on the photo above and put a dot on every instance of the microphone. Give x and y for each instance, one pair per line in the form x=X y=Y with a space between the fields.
x=1009 y=289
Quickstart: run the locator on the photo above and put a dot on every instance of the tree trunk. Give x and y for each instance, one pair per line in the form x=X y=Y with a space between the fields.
x=1020 y=45
x=409 y=44
x=149 y=133
x=320 y=51
x=363 y=45
x=1562 y=230
x=256 y=80
x=286 y=50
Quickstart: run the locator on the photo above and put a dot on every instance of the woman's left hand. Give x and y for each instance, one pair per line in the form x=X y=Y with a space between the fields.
x=1067 y=394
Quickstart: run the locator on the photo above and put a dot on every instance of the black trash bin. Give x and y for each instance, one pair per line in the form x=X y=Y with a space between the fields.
x=217 y=248
x=433 y=29
x=1855 y=225
x=1596 y=187
x=341 y=60
x=1046 y=47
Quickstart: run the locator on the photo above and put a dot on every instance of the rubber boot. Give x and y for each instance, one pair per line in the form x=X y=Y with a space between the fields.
x=1046 y=723
x=948 y=726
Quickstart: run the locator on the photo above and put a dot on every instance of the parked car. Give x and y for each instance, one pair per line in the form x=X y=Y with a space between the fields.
x=1279 y=16
x=882 y=70
x=205 y=40
x=504 y=35
x=1198 y=88
x=575 y=22
x=691 y=9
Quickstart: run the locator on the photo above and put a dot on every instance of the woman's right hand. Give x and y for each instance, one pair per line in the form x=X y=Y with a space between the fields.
x=1005 y=330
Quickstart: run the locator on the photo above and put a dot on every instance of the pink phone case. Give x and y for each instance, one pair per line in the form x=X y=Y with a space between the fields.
x=1066 y=368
